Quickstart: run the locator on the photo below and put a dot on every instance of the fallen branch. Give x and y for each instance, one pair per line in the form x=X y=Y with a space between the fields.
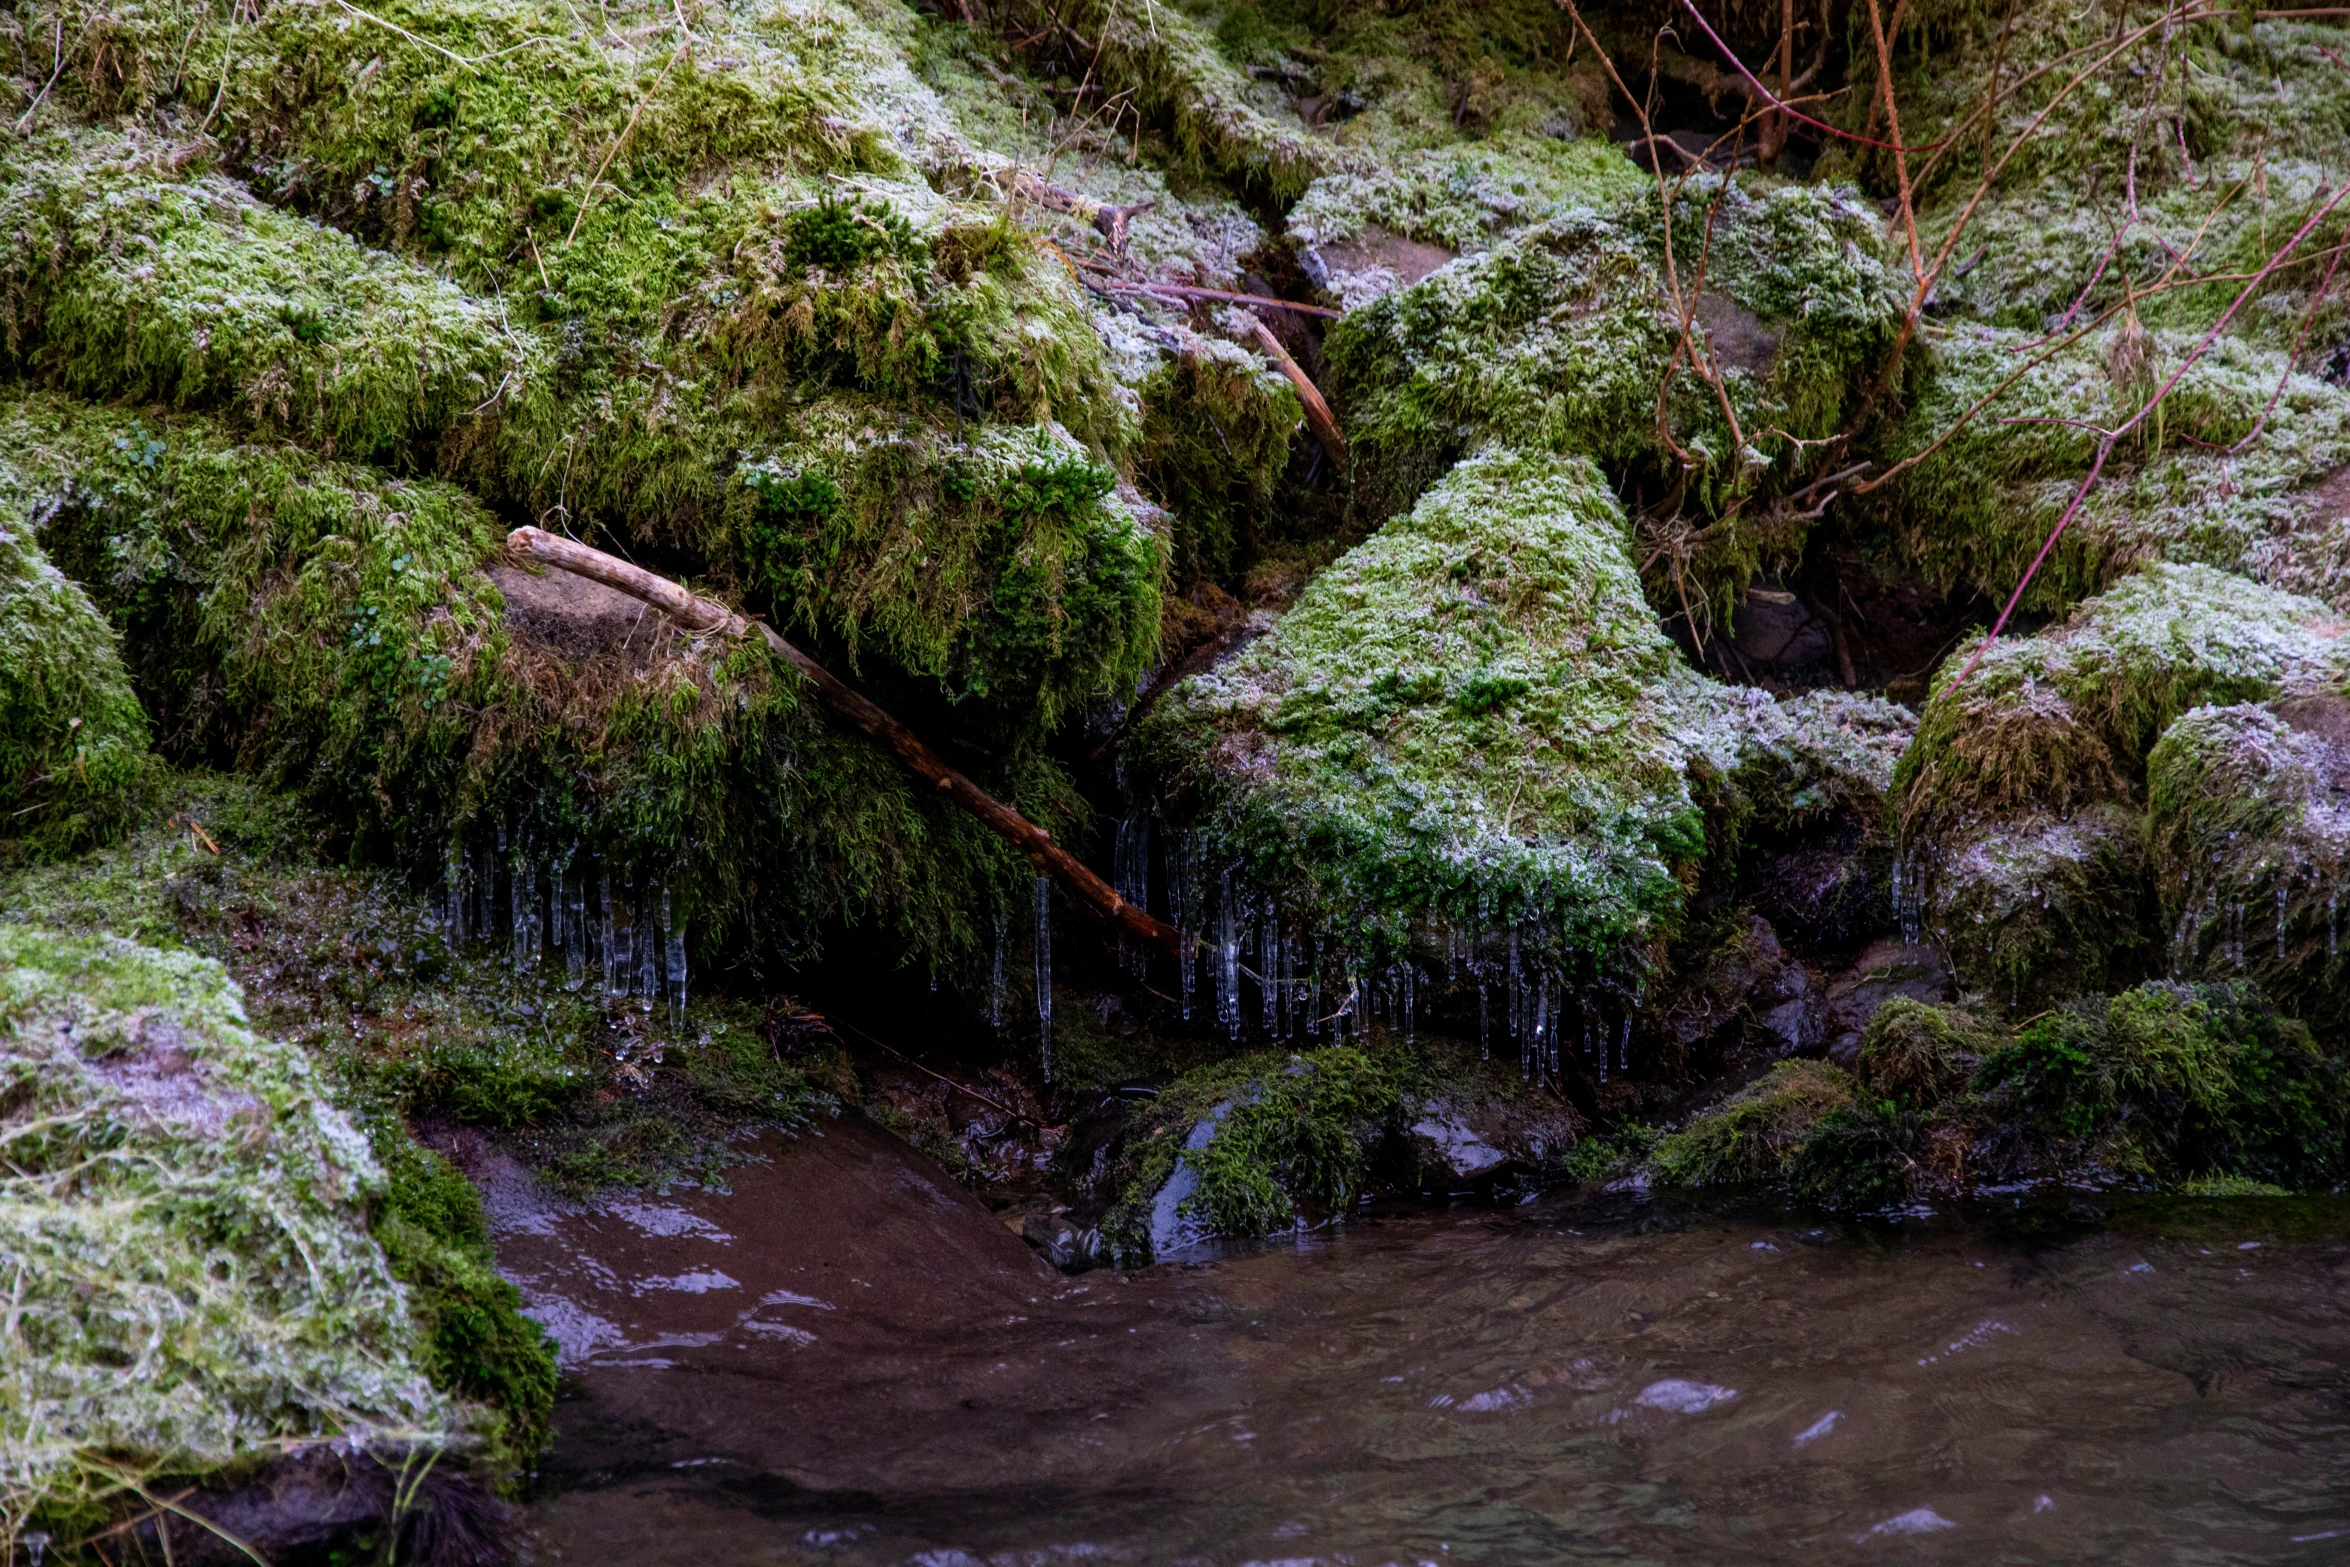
x=1318 y=412
x=1189 y=291
x=1108 y=221
x=1095 y=895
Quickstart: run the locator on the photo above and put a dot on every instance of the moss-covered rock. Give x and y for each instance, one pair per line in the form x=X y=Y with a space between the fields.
x=2248 y=831
x=187 y=1217
x=1975 y=511
x=2169 y=1082
x=1564 y=338
x=1474 y=718
x=2032 y=907
x=74 y=765
x=1921 y=1055
x=136 y=274
x=2066 y=717
x=1756 y=1135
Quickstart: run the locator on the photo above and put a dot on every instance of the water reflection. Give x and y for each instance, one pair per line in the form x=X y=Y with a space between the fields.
x=1571 y=1380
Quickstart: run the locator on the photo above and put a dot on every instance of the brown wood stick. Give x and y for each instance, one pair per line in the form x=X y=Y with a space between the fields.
x=1192 y=291
x=1108 y=220
x=1092 y=893
x=1317 y=411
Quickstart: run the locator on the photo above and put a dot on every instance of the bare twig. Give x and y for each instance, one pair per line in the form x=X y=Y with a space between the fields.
x=1186 y=291
x=1317 y=411
x=700 y=615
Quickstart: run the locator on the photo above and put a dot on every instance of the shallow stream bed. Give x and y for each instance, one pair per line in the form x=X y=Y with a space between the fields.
x=848 y=1360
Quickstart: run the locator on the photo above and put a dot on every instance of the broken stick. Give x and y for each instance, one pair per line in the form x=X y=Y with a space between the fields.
x=1092 y=893
x=1108 y=221
x=1317 y=411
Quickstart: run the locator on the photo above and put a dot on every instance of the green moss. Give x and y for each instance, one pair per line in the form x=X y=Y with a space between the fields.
x=1003 y=568
x=2249 y=847
x=334 y=631
x=477 y=1344
x=2032 y=907
x=1291 y=1134
x=2065 y=717
x=1976 y=512
x=1560 y=337
x=1467 y=196
x=188 y=1214
x=1210 y=119
x=1920 y=1055
x=74 y=765
x=2171 y=1081
x=1756 y=1134
x=1215 y=435
x=134 y=275
x=1473 y=717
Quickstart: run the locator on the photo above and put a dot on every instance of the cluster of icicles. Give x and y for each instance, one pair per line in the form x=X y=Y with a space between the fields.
x=565 y=910
x=1237 y=940
x=2212 y=931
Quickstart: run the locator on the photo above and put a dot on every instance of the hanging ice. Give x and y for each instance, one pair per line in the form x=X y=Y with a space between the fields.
x=1044 y=972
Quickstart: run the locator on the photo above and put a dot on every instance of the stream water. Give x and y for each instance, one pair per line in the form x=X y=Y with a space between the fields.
x=848 y=1361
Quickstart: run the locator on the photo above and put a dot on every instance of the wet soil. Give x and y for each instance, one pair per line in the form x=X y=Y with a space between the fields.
x=847 y=1360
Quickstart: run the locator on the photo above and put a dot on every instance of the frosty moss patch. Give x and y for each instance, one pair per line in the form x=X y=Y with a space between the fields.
x=185 y=1223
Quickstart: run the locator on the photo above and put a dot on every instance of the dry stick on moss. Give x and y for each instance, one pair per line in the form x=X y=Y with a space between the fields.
x=1183 y=291
x=468 y=63
x=2112 y=437
x=1107 y=220
x=1317 y=411
x=588 y=202
x=1098 y=897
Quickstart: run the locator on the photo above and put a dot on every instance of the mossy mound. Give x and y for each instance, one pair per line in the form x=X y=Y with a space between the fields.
x=338 y=633
x=2248 y=828
x=2201 y=1088
x=1757 y=1134
x=1474 y=717
x=1248 y=1146
x=2032 y=907
x=187 y=1215
x=2020 y=800
x=1976 y=510
x=2066 y=717
x=74 y=765
x=2170 y=1082
x=1562 y=338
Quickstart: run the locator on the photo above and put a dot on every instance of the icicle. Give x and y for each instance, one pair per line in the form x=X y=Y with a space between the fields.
x=577 y=928
x=1269 y=969
x=615 y=941
x=1044 y=973
x=1314 y=993
x=453 y=923
x=1517 y=996
x=1410 y=1008
x=676 y=964
x=1228 y=957
x=1624 y=1044
x=1484 y=1025
x=2280 y=921
x=995 y=983
x=648 y=956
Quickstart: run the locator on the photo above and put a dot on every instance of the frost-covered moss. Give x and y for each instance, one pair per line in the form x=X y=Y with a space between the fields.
x=132 y=275
x=1216 y=432
x=186 y=1214
x=2066 y=716
x=1474 y=716
x=2248 y=831
x=2019 y=801
x=1560 y=339
x=2031 y=907
x=1003 y=567
x=74 y=766
x=1209 y=117
x=336 y=631
x=1976 y=511
x=1467 y=196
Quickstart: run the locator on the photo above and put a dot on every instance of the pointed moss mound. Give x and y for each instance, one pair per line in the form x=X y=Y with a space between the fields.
x=1474 y=716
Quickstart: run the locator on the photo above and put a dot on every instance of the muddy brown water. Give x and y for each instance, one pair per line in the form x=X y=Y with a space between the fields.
x=847 y=1360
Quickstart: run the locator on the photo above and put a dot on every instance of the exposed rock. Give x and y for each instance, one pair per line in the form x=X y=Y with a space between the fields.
x=1889 y=967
